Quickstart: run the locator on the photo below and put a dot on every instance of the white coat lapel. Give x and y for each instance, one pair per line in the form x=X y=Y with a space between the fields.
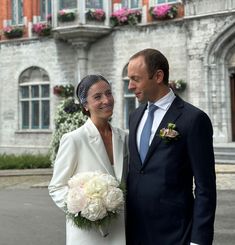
x=118 y=141
x=97 y=143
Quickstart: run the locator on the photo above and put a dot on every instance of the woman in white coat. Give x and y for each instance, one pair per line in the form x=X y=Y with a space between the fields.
x=94 y=146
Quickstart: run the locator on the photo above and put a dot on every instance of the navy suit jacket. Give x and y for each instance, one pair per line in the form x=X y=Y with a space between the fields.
x=162 y=208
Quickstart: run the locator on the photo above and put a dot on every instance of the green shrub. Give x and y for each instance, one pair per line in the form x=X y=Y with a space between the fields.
x=68 y=118
x=24 y=161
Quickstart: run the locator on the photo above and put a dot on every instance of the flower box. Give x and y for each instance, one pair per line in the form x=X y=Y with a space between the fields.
x=125 y=16
x=95 y=15
x=13 y=32
x=66 y=15
x=64 y=91
x=42 y=29
x=163 y=12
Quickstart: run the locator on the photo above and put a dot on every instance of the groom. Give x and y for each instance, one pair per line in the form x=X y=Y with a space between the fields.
x=171 y=146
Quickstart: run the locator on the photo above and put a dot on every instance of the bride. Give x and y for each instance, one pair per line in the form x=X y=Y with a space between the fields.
x=94 y=146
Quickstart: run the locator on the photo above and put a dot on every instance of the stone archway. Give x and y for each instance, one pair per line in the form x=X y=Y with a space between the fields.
x=232 y=96
x=217 y=65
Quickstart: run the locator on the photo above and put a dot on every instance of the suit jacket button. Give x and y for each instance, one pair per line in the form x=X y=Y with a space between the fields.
x=141 y=171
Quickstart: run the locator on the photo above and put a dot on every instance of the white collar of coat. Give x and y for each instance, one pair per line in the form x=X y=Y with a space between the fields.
x=118 y=138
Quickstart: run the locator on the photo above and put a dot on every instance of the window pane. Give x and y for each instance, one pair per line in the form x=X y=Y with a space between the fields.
x=126 y=90
x=45 y=91
x=68 y=4
x=25 y=114
x=35 y=114
x=20 y=11
x=129 y=107
x=45 y=114
x=43 y=9
x=35 y=91
x=97 y=4
x=162 y=1
x=49 y=6
x=125 y=3
x=24 y=92
x=135 y=3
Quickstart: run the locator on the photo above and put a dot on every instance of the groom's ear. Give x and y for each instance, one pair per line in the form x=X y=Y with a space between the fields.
x=159 y=76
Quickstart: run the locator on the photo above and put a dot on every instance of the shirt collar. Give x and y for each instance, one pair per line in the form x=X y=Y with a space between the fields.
x=165 y=102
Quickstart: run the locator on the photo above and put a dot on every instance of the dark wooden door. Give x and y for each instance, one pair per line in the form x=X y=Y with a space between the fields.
x=232 y=89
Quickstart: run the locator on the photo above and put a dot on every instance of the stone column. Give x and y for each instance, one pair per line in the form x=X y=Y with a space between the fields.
x=81 y=6
x=54 y=12
x=81 y=48
x=107 y=6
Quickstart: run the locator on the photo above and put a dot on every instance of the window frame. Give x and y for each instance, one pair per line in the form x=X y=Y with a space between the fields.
x=155 y=2
x=16 y=11
x=30 y=99
x=48 y=9
x=129 y=4
x=127 y=96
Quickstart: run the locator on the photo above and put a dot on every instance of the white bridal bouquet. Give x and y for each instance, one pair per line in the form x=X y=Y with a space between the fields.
x=94 y=198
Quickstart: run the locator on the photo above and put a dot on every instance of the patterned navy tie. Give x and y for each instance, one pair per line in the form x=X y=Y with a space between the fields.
x=146 y=132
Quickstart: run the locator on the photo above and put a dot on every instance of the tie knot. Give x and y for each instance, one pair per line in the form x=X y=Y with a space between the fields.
x=152 y=108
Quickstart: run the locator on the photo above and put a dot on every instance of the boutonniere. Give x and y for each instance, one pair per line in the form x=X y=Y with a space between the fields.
x=169 y=133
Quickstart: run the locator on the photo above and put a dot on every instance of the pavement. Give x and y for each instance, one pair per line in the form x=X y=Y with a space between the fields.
x=29 y=216
x=40 y=178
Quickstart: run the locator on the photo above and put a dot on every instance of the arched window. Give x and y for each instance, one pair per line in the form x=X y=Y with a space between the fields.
x=34 y=95
x=130 y=102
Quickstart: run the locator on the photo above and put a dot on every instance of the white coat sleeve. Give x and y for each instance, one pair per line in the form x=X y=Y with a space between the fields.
x=64 y=167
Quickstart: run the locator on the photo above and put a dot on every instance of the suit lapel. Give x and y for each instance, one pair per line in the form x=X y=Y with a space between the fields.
x=97 y=143
x=118 y=141
x=171 y=116
x=133 y=132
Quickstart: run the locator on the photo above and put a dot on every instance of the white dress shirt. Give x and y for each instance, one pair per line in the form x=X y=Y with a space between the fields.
x=163 y=105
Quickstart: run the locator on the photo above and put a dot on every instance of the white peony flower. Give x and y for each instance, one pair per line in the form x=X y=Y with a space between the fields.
x=110 y=180
x=113 y=199
x=96 y=187
x=94 y=210
x=92 y=195
x=81 y=178
x=76 y=200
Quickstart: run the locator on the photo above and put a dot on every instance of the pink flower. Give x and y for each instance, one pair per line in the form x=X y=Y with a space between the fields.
x=62 y=12
x=161 y=10
x=169 y=133
x=99 y=14
x=49 y=17
x=8 y=29
x=40 y=27
x=124 y=15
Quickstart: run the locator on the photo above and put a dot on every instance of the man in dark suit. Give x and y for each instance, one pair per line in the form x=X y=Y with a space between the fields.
x=162 y=207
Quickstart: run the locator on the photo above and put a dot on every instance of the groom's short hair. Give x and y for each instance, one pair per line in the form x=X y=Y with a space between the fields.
x=154 y=61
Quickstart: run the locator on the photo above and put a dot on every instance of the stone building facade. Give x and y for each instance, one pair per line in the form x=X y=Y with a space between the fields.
x=199 y=44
